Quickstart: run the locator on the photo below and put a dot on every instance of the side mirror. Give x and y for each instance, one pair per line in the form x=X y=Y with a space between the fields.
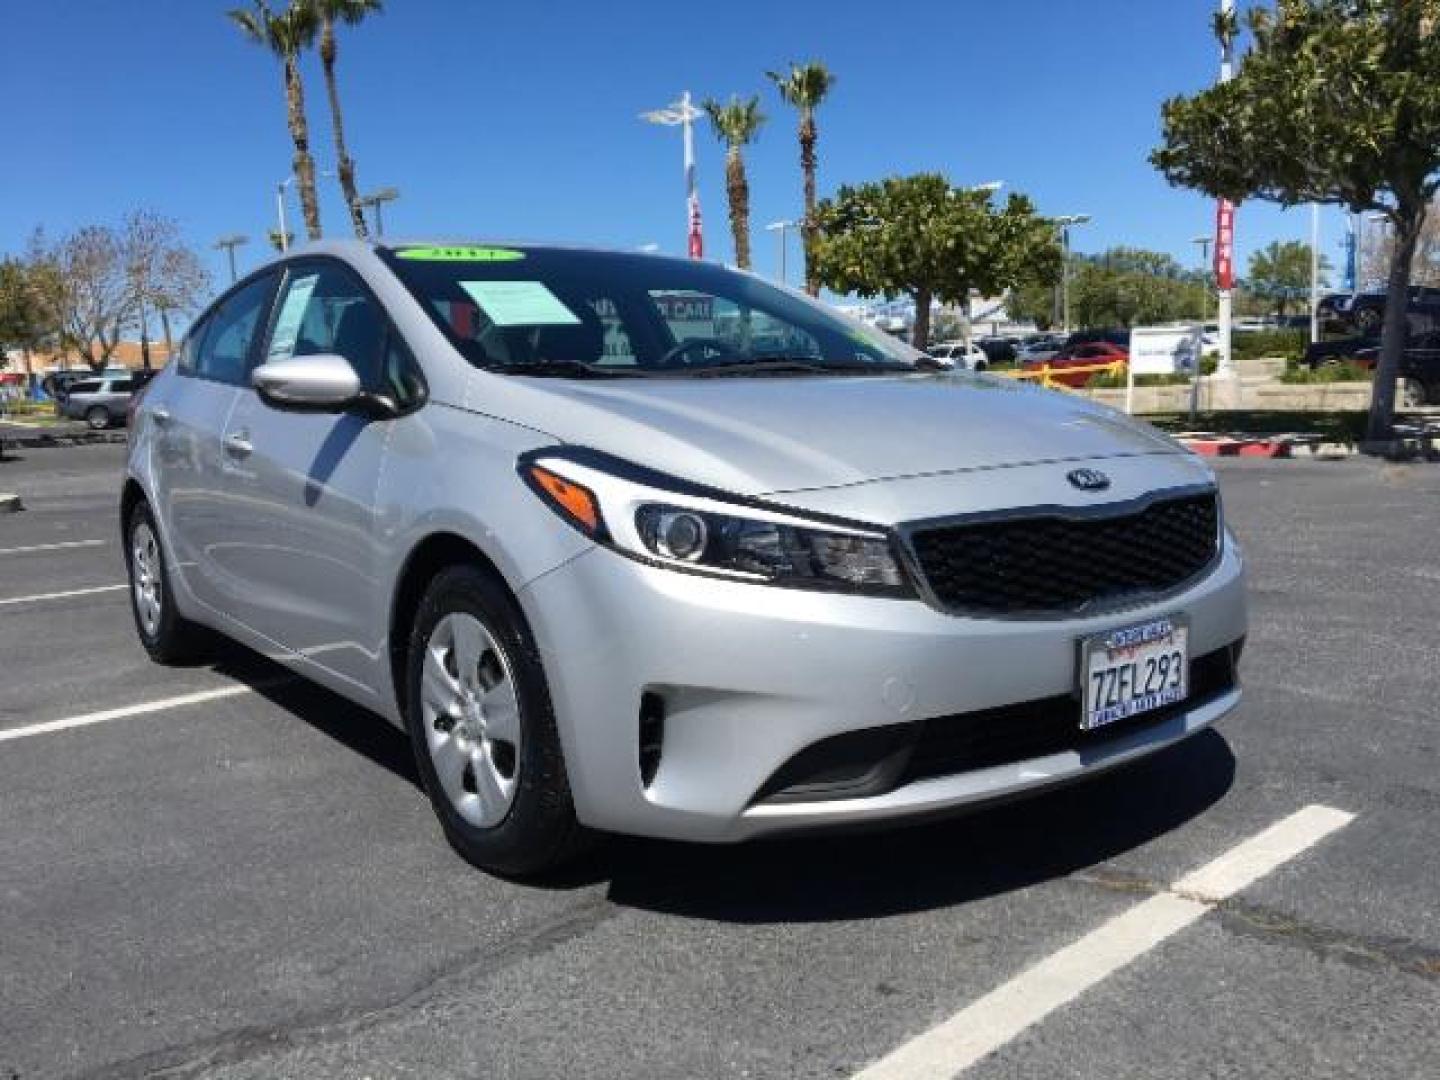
x=320 y=383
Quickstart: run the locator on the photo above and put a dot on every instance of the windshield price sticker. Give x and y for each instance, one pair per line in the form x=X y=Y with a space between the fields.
x=461 y=254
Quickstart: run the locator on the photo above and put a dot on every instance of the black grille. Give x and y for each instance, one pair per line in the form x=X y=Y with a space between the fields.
x=1058 y=564
x=980 y=740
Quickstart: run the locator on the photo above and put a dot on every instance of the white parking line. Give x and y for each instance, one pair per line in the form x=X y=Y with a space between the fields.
x=983 y=1027
x=197 y=698
x=61 y=595
x=62 y=546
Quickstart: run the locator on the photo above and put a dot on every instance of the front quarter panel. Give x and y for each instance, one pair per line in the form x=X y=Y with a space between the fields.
x=451 y=471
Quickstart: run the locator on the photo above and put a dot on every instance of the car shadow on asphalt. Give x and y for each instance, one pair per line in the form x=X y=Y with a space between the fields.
x=821 y=877
x=355 y=728
x=999 y=849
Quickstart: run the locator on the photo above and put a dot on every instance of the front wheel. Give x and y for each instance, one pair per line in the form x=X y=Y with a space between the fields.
x=98 y=418
x=483 y=729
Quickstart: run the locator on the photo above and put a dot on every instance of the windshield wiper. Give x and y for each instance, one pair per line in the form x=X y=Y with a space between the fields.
x=795 y=365
x=571 y=369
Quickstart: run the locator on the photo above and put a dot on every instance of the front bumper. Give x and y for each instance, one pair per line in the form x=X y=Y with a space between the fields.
x=751 y=675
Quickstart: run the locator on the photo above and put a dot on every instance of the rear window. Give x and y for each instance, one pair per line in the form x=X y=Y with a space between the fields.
x=85 y=386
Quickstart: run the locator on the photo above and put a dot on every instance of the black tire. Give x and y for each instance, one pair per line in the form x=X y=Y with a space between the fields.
x=170 y=638
x=1368 y=319
x=98 y=417
x=539 y=831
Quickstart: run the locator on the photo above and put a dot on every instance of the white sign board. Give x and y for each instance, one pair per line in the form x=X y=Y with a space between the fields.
x=1164 y=350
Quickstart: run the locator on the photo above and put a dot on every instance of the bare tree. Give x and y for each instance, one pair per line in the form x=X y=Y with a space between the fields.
x=1377 y=251
x=166 y=276
x=95 y=296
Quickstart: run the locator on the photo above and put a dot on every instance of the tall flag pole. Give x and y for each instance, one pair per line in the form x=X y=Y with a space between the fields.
x=1225 y=218
x=683 y=114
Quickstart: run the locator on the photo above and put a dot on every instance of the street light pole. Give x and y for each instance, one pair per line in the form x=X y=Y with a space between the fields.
x=683 y=114
x=229 y=243
x=780 y=227
x=280 y=211
x=1204 y=245
x=1225 y=220
x=1314 y=273
x=375 y=200
x=1065 y=221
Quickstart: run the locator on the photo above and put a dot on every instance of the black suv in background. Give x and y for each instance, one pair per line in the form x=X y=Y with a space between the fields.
x=1419 y=369
x=1366 y=310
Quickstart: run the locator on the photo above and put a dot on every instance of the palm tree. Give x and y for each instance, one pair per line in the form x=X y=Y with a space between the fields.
x=804 y=87
x=350 y=12
x=287 y=34
x=737 y=124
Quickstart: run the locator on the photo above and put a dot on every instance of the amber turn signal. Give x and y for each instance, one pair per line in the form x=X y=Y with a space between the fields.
x=569 y=499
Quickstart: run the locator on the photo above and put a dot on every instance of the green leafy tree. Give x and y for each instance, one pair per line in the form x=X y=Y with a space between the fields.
x=1280 y=272
x=919 y=237
x=24 y=324
x=287 y=34
x=737 y=124
x=352 y=13
x=803 y=87
x=1337 y=101
x=1032 y=302
x=1132 y=286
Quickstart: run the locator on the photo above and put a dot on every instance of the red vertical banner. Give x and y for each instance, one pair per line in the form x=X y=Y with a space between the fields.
x=1224 y=245
x=696 y=238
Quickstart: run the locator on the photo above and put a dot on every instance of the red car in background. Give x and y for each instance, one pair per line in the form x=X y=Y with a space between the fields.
x=1085 y=355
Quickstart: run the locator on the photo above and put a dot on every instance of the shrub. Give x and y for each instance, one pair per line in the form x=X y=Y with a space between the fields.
x=1344 y=371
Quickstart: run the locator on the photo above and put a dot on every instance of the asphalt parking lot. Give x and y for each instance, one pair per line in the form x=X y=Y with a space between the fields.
x=216 y=871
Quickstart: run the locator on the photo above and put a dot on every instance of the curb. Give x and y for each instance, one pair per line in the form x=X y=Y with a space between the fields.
x=32 y=440
x=9 y=504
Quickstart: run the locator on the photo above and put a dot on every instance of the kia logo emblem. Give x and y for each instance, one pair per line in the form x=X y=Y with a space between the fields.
x=1088 y=479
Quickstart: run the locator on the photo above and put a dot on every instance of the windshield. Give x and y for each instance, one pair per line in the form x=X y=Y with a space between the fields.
x=585 y=313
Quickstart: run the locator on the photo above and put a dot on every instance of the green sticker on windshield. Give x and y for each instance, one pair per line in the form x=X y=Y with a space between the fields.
x=461 y=254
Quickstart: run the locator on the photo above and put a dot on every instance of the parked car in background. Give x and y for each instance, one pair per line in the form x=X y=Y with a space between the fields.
x=999 y=350
x=1085 y=355
x=100 y=402
x=1036 y=351
x=955 y=354
x=1332 y=308
x=848 y=590
x=1419 y=378
x=1114 y=336
x=1366 y=310
x=1337 y=350
x=58 y=383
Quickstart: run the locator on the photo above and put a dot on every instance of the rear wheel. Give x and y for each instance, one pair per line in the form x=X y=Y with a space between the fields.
x=1367 y=320
x=98 y=418
x=483 y=729
x=166 y=635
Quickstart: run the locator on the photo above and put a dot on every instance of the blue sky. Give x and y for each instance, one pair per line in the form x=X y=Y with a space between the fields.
x=520 y=119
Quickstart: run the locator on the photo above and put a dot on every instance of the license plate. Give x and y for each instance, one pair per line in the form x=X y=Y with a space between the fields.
x=1134 y=670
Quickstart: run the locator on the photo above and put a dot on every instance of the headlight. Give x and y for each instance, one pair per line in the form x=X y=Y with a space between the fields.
x=668 y=522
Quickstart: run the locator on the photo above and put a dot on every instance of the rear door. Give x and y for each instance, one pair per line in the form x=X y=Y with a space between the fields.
x=197 y=506
x=303 y=562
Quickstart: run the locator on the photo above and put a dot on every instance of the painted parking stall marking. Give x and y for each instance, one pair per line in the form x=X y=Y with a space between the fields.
x=67 y=594
x=979 y=1029
x=104 y=716
x=64 y=545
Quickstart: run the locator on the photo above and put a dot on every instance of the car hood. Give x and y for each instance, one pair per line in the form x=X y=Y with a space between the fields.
x=756 y=436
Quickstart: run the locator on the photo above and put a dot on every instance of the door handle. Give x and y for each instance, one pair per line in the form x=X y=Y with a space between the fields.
x=160 y=414
x=237 y=444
